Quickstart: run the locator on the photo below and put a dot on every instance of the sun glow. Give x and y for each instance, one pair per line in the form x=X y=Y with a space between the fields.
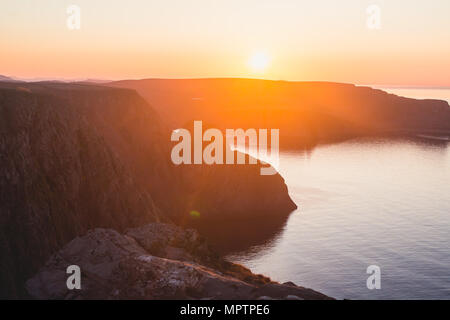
x=259 y=61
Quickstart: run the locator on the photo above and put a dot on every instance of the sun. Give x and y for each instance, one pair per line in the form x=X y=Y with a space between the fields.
x=259 y=61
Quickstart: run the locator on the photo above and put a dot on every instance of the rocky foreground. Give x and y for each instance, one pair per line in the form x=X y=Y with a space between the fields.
x=155 y=261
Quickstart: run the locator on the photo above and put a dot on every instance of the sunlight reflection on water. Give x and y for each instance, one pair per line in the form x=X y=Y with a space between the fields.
x=363 y=202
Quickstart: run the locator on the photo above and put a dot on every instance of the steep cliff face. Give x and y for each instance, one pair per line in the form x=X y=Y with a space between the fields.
x=213 y=191
x=59 y=178
x=75 y=157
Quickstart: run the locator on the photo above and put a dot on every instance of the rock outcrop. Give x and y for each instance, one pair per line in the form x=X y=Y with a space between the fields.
x=155 y=261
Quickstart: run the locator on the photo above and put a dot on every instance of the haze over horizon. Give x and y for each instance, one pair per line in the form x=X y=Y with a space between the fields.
x=278 y=40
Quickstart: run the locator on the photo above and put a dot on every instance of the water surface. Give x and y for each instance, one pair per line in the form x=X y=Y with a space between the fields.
x=367 y=201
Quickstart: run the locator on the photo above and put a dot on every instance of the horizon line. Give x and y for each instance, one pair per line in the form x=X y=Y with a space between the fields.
x=105 y=80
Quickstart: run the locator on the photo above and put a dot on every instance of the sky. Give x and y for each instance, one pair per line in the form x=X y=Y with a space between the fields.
x=325 y=40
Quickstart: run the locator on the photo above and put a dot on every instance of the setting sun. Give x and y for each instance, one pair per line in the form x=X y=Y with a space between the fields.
x=259 y=61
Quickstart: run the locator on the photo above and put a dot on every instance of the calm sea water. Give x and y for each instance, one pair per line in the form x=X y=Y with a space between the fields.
x=364 y=202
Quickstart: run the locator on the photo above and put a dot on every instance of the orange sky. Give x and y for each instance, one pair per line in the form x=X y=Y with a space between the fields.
x=303 y=40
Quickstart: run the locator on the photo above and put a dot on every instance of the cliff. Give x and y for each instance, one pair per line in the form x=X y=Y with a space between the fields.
x=307 y=113
x=75 y=157
x=58 y=177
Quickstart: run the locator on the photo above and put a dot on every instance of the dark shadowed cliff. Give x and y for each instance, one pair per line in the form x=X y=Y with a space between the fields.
x=306 y=113
x=75 y=157
x=58 y=177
